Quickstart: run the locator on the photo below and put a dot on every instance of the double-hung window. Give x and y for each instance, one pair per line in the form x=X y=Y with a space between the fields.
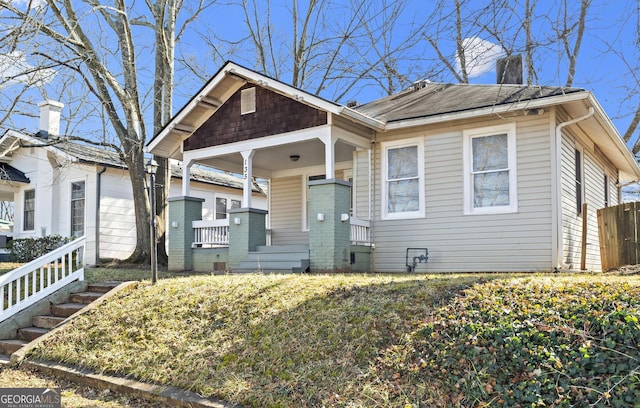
x=403 y=184
x=77 y=208
x=490 y=170
x=29 y=213
x=222 y=206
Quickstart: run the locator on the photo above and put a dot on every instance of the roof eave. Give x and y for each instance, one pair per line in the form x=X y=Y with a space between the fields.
x=496 y=109
x=614 y=135
x=361 y=118
x=38 y=143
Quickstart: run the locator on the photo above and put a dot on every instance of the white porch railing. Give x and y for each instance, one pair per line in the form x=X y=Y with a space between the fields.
x=210 y=233
x=24 y=286
x=360 y=231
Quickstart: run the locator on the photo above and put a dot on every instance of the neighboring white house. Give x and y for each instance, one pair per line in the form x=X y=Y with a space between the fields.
x=487 y=177
x=74 y=189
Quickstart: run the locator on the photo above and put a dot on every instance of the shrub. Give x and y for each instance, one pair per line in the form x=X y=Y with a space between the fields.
x=28 y=249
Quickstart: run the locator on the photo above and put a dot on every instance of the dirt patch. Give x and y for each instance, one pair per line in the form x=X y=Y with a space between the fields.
x=624 y=270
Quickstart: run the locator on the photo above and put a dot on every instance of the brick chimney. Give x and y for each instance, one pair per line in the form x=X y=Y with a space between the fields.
x=49 y=118
x=509 y=70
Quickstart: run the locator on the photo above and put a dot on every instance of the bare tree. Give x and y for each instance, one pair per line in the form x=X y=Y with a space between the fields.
x=94 y=43
x=568 y=27
x=324 y=47
x=519 y=26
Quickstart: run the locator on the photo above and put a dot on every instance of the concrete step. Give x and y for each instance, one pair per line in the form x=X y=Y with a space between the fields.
x=66 y=309
x=103 y=287
x=85 y=297
x=298 y=266
x=31 y=333
x=277 y=256
x=271 y=264
x=11 y=346
x=282 y=248
x=47 y=322
x=43 y=323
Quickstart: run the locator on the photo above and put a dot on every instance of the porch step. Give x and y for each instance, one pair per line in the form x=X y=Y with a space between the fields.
x=276 y=256
x=58 y=314
x=85 y=297
x=272 y=266
x=66 y=309
x=47 y=322
x=10 y=346
x=282 y=248
x=31 y=333
x=269 y=259
x=102 y=287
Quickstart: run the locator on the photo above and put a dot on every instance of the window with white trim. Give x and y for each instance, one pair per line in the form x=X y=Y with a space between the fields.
x=77 y=208
x=223 y=205
x=221 y=208
x=490 y=180
x=403 y=191
x=29 y=210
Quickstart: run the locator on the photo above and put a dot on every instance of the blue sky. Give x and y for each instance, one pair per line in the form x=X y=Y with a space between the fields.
x=606 y=63
x=605 y=72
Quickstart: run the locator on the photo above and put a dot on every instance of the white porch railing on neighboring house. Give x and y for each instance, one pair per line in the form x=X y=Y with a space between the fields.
x=210 y=234
x=360 y=232
x=24 y=286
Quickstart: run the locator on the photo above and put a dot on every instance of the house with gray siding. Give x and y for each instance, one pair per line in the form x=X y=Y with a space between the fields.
x=436 y=178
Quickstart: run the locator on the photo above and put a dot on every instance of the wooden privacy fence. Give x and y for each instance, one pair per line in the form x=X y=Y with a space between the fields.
x=619 y=233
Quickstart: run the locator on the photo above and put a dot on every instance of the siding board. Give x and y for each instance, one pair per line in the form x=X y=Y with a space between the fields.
x=594 y=170
x=286 y=212
x=474 y=242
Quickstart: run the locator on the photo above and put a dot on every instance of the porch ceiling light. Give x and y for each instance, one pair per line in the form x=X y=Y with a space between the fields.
x=294 y=157
x=151 y=166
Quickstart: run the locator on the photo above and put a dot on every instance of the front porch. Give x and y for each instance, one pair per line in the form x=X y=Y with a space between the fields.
x=314 y=154
x=211 y=240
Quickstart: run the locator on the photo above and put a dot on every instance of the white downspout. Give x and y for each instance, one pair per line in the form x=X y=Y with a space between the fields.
x=560 y=250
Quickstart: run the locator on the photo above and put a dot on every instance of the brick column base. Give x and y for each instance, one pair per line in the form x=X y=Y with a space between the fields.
x=247 y=231
x=182 y=211
x=329 y=226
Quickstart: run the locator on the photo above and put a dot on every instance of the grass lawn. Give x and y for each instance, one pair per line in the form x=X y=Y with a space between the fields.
x=73 y=395
x=370 y=341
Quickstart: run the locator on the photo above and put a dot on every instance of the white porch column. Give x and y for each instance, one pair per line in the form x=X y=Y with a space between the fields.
x=329 y=155
x=186 y=176
x=247 y=186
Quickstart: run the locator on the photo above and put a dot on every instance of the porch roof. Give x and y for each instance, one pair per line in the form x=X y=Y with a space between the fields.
x=9 y=173
x=229 y=79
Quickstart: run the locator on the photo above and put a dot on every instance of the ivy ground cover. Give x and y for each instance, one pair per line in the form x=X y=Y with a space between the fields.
x=535 y=342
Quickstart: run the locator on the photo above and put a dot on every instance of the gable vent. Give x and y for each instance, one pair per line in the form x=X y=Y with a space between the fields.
x=247 y=101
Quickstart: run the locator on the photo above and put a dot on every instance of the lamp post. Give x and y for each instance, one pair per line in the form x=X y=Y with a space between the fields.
x=151 y=167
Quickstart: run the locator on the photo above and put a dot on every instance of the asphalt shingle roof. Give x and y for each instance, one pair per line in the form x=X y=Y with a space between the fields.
x=435 y=99
x=93 y=154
